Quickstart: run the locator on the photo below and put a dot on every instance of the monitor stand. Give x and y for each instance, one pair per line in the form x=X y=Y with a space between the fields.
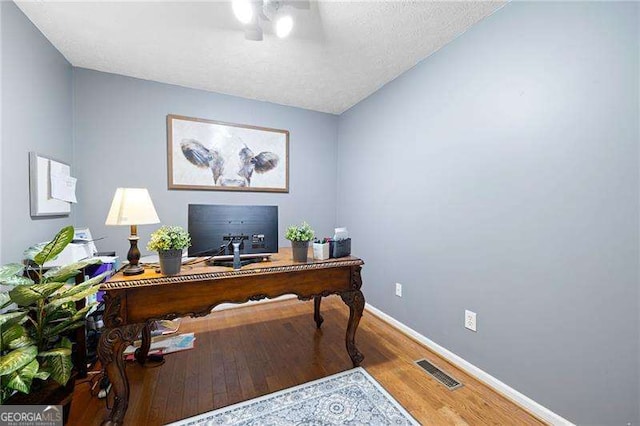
x=245 y=259
x=229 y=263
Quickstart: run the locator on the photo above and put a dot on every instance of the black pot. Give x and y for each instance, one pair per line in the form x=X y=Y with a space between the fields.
x=300 y=250
x=170 y=261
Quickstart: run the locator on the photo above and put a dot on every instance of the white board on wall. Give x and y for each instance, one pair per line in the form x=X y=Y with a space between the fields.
x=40 y=188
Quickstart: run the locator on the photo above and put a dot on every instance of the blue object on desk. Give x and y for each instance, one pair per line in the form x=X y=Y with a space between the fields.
x=340 y=248
x=109 y=264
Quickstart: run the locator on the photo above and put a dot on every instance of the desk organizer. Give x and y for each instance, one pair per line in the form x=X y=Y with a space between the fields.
x=340 y=248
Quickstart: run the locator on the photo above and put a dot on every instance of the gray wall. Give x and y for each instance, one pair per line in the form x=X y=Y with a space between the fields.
x=121 y=140
x=36 y=116
x=500 y=175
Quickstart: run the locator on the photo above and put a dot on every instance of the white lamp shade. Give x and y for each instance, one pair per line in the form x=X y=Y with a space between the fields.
x=132 y=206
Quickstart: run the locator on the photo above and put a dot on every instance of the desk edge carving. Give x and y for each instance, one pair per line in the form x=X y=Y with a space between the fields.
x=162 y=280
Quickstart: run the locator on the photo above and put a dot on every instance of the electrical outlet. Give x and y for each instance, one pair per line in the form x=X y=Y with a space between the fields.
x=470 y=320
x=398 y=289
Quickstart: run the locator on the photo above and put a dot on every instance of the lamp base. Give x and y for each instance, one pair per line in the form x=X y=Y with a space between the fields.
x=133 y=270
x=133 y=256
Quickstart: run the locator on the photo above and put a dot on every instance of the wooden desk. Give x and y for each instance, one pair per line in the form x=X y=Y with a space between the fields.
x=134 y=301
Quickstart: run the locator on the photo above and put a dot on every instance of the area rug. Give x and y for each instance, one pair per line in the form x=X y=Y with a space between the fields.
x=352 y=397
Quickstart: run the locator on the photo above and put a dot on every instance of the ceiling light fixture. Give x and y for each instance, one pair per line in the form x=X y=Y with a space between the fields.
x=243 y=10
x=284 y=25
x=253 y=14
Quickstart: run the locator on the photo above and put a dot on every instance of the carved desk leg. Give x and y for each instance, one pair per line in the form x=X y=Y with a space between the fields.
x=316 y=311
x=115 y=338
x=142 y=352
x=112 y=344
x=355 y=300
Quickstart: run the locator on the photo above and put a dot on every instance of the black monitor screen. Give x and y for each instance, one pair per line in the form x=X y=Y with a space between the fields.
x=212 y=227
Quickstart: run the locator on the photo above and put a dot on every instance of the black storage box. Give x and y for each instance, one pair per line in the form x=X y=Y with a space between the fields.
x=340 y=248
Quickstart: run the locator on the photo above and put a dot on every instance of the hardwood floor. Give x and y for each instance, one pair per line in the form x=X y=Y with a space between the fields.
x=251 y=351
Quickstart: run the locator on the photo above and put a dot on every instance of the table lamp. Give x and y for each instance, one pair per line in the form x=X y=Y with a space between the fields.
x=132 y=206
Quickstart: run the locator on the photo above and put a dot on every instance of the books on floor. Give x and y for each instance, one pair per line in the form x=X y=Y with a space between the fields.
x=163 y=344
x=163 y=327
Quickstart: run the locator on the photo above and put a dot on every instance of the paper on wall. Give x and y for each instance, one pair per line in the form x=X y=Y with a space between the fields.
x=58 y=169
x=63 y=185
x=64 y=188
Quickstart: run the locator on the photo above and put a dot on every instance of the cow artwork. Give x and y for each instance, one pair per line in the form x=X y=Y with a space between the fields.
x=207 y=154
x=205 y=158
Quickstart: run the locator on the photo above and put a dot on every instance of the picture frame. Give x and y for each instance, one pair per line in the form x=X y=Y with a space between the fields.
x=40 y=201
x=219 y=156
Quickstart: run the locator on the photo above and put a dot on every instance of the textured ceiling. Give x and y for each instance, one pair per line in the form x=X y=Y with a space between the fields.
x=338 y=53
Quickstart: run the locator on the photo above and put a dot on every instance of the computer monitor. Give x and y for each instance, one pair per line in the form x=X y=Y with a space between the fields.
x=214 y=227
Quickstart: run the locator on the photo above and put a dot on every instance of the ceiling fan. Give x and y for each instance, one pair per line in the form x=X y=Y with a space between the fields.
x=253 y=14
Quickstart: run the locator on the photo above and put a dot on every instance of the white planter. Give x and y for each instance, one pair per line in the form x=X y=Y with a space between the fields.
x=320 y=251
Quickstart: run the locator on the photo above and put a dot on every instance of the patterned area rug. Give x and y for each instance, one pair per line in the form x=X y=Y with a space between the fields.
x=352 y=397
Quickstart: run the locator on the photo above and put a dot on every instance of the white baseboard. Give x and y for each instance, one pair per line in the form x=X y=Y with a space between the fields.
x=225 y=306
x=524 y=401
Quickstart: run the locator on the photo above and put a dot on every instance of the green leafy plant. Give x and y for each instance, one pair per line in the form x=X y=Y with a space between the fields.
x=37 y=309
x=169 y=238
x=299 y=232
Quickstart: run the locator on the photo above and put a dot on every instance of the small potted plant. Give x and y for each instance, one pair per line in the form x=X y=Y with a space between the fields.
x=321 y=249
x=169 y=241
x=300 y=237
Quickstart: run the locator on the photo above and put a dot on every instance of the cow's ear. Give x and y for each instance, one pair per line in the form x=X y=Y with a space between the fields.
x=196 y=153
x=265 y=161
x=246 y=155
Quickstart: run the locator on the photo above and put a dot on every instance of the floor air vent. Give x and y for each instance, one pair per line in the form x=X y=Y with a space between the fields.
x=439 y=375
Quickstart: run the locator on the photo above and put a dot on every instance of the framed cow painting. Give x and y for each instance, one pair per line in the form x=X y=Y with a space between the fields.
x=218 y=156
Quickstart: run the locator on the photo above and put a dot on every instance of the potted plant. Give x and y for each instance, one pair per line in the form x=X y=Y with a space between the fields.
x=321 y=249
x=299 y=237
x=169 y=241
x=41 y=308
